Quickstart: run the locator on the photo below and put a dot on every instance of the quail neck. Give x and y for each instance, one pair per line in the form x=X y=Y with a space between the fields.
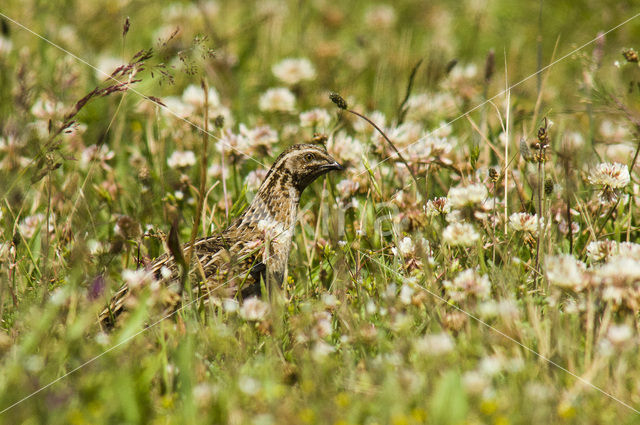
x=274 y=209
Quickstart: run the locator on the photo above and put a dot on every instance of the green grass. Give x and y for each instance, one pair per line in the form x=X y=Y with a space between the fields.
x=383 y=319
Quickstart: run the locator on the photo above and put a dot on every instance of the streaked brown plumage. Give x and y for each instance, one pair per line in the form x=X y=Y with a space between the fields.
x=256 y=246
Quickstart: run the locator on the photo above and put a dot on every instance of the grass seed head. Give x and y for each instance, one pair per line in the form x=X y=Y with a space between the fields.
x=338 y=100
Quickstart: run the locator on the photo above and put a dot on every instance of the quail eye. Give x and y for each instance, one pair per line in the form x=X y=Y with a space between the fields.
x=309 y=157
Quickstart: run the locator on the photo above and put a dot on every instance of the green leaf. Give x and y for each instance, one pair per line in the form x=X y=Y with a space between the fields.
x=449 y=404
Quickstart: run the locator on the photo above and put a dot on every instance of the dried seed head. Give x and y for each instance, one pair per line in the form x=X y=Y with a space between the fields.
x=338 y=100
x=450 y=65
x=489 y=66
x=525 y=152
x=543 y=135
x=16 y=239
x=493 y=175
x=630 y=55
x=219 y=121
x=127 y=228
x=126 y=26
x=548 y=187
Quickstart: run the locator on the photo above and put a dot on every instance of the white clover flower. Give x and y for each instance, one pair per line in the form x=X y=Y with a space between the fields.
x=178 y=11
x=59 y=296
x=612 y=131
x=429 y=146
x=215 y=170
x=573 y=141
x=629 y=250
x=329 y=300
x=506 y=308
x=437 y=206
x=291 y=71
x=278 y=99
x=317 y=117
x=254 y=179
x=321 y=350
x=424 y=105
x=463 y=234
x=467 y=195
x=371 y=307
x=619 y=271
x=566 y=272
x=248 y=385
x=475 y=382
x=103 y=338
x=614 y=294
x=612 y=175
x=347 y=188
x=10 y=143
x=137 y=278
x=95 y=153
x=30 y=225
x=345 y=148
x=33 y=363
x=491 y=365
x=231 y=143
x=322 y=327
x=257 y=137
x=402 y=135
x=106 y=65
x=5 y=46
x=176 y=108
x=361 y=126
x=525 y=222
x=210 y=8
x=434 y=344
x=202 y=393
x=68 y=35
x=618 y=152
x=618 y=335
x=601 y=250
x=165 y=272
x=181 y=159
x=254 y=309
x=46 y=108
x=230 y=305
x=406 y=292
x=381 y=16
x=406 y=246
x=464 y=72
x=194 y=96
x=468 y=283
x=539 y=392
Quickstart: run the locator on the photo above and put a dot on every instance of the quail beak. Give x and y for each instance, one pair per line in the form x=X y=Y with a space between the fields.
x=332 y=165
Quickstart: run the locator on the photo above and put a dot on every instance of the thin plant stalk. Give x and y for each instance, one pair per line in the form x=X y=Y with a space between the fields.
x=203 y=173
x=539 y=53
x=506 y=149
x=45 y=271
x=224 y=186
x=540 y=214
x=342 y=104
x=404 y=161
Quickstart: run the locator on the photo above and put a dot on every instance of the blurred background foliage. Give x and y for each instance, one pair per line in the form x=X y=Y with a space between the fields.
x=347 y=347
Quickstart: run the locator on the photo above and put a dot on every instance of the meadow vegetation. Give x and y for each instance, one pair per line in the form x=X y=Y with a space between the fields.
x=477 y=263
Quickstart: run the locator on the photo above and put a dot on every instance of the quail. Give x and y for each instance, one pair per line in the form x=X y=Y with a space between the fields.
x=253 y=251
